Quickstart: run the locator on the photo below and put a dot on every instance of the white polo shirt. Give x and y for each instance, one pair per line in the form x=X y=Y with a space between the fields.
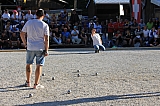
x=96 y=39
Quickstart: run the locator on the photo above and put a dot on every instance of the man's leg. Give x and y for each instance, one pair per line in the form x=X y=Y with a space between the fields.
x=38 y=74
x=28 y=72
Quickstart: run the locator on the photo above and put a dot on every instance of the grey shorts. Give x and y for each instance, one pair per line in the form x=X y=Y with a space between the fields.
x=40 y=59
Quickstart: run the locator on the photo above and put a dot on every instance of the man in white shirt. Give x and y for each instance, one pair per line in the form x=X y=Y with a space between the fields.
x=97 y=42
x=37 y=46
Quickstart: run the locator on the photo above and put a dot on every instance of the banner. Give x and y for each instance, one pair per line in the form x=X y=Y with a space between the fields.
x=136 y=9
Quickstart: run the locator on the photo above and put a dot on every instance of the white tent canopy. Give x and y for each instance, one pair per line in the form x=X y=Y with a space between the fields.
x=156 y=2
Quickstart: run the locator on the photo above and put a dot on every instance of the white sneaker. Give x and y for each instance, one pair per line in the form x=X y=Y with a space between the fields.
x=38 y=86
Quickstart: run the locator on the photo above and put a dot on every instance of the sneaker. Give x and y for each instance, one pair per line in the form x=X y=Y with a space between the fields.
x=38 y=86
x=27 y=84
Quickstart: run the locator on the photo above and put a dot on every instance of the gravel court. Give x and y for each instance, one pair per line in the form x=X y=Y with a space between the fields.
x=125 y=78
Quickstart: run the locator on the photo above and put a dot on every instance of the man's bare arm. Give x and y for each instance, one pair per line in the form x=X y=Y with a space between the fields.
x=46 y=42
x=23 y=37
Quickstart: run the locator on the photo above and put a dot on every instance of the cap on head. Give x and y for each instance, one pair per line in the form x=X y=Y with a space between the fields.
x=75 y=27
x=40 y=12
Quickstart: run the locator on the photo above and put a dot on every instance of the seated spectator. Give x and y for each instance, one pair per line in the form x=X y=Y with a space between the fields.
x=127 y=39
x=46 y=17
x=21 y=16
x=66 y=36
x=152 y=33
x=83 y=36
x=57 y=36
x=138 y=35
x=67 y=25
x=145 y=35
x=4 y=40
x=118 y=37
x=142 y=24
x=53 y=17
x=20 y=26
x=149 y=24
x=14 y=41
x=8 y=28
x=155 y=41
x=62 y=18
x=29 y=16
x=14 y=17
x=98 y=28
x=75 y=33
x=5 y=16
x=134 y=26
x=156 y=23
x=15 y=30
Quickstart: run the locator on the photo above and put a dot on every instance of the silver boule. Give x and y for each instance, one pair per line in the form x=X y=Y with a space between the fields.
x=96 y=74
x=53 y=78
x=69 y=91
x=78 y=71
x=43 y=74
x=30 y=95
x=79 y=75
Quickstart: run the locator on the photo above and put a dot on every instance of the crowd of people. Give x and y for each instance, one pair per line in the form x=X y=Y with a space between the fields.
x=73 y=30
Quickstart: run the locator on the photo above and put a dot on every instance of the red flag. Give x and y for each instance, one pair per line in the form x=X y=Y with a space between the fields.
x=136 y=9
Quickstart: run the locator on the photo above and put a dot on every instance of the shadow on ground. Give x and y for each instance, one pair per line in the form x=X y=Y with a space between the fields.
x=96 y=99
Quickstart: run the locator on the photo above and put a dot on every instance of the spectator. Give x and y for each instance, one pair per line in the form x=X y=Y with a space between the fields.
x=118 y=37
x=142 y=24
x=152 y=33
x=74 y=18
x=14 y=41
x=46 y=17
x=4 y=40
x=5 y=16
x=66 y=36
x=62 y=18
x=74 y=34
x=116 y=25
x=127 y=40
x=134 y=26
x=145 y=35
x=98 y=27
x=83 y=36
x=66 y=14
x=15 y=30
x=91 y=25
x=14 y=17
x=156 y=23
x=29 y=16
x=110 y=30
x=21 y=16
x=150 y=24
x=8 y=28
x=104 y=39
x=155 y=42
x=20 y=26
x=53 y=17
x=121 y=26
x=138 y=36
x=57 y=36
